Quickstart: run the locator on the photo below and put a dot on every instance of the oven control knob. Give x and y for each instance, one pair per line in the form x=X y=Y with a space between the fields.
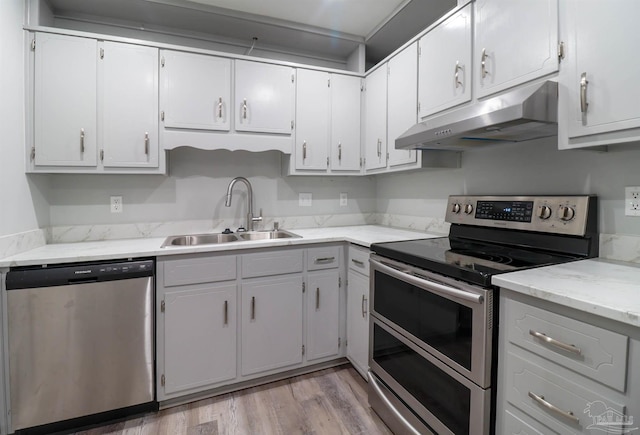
x=455 y=208
x=566 y=213
x=468 y=208
x=544 y=212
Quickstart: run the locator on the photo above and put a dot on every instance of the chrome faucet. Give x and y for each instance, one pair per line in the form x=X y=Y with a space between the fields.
x=227 y=203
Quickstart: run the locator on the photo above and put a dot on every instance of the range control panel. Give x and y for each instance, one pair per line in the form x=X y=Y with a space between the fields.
x=548 y=214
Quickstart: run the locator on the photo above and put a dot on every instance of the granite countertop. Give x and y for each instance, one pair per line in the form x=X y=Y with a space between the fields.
x=363 y=235
x=601 y=287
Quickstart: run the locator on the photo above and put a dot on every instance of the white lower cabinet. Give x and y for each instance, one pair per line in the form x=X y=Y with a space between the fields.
x=358 y=309
x=271 y=325
x=561 y=371
x=228 y=318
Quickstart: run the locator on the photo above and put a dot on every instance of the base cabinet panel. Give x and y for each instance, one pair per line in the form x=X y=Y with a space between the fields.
x=271 y=327
x=323 y=315
x=358 y=322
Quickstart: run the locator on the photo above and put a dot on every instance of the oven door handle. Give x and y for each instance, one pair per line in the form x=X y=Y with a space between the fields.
x=431 y=286
x=374 y=383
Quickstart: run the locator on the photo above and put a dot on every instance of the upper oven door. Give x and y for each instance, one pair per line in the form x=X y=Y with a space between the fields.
x=451 y=320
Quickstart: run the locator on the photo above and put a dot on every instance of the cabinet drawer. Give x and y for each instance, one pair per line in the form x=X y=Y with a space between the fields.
x=359 y=259
x=516 y=425
x=323 y=258
x=199 y=270
x=575 y=408
x=594 y=352
x=272 y=263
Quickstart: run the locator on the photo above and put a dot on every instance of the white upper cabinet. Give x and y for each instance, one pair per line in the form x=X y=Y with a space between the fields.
x=445 y=64
x=196 y=91
x=402 y=100
x=599 y=91
x=375 y=137
x=515 y=41
x=345 y=123
x=128 y=86
x=264 y=96
x=65 y=98
x=312 y=120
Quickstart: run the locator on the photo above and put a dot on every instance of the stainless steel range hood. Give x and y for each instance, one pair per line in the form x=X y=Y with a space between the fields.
x=526 y=113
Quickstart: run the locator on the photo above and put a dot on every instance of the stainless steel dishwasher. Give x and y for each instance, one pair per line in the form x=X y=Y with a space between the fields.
x=80 y=342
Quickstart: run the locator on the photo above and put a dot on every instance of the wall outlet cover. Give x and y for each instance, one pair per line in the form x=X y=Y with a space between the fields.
x=632 y=201
x=305 y=199
x=343 y=199
x=116 y=204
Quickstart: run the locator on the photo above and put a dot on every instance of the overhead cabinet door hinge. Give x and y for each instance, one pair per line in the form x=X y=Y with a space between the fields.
x=162 y=380
x=162 y=308
x=292 y=78
x=162 y=115
x=339 y=281
x=162 y=61
x=33 y=153
x=292 y=125
x=33 y=44
x=328 y=83
x=102 y=53
x=560 y=51
x=102 y=155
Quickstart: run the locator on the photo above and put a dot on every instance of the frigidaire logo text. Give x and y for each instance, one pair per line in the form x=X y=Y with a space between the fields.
x=80 y=272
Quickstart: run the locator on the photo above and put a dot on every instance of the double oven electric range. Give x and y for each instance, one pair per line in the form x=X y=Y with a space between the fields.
x=434 y=317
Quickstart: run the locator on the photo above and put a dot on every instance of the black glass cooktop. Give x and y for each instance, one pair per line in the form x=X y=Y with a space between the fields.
x=465 y=259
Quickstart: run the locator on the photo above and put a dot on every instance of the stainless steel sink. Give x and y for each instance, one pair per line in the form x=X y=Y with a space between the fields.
x=265 y=235
x=217 y=238
x=199 y=239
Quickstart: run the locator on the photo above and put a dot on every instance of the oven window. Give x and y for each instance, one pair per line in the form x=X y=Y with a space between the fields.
x=439 y=322
x=447 y=399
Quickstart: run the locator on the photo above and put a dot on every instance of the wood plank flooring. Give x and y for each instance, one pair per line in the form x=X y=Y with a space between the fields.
x=331 y=401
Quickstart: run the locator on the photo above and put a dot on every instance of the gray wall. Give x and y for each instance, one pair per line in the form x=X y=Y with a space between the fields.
x=535 y=167
x=24 y=206
x=196 y=188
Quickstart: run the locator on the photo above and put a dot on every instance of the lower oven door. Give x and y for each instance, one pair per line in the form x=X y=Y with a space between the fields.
x=410 y=385
x=450 y=319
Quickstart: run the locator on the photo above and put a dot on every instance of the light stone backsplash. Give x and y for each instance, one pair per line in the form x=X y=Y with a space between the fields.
x=21 y=242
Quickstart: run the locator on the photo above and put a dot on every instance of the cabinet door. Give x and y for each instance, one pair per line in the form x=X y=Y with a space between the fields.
x=605 y=56
x=323 y=320
x=312 y=119
x=445 y=64
x=271 y=323
x=128 y=83
x=375 y=142
x=345 y=122
x=65 y=101
x=196 y=91
x=519 y=40
x=358 y=322
x=402 y=102
x=264 y=95
x=199 y=337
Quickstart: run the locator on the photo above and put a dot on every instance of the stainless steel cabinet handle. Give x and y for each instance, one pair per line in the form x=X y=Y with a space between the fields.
x=583 y=93
x=146 y=143
x=364 y=306
x=483 y=62
x=339 y=151
x=226 y=312
x=566 y=414
x=317 y=298
x=304 y=150
x=379 y=148
x=552 y=341
x=376 y=388
x=357 y=262
x=244 y=109
x=82 y=140
x=220 y=108
x=324 y=260
x=253 y=308
x=456 y=74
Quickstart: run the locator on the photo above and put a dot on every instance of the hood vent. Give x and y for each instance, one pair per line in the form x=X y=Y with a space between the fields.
x=526 y=113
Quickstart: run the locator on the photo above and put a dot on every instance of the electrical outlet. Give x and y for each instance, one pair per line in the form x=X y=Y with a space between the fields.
x=305 y=199
x=343 y=199
x=632 y=201
x=116 y=204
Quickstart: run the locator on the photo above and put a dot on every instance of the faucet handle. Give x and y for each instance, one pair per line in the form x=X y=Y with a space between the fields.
x=259 y=218
x=276 y=225
x=241 y=230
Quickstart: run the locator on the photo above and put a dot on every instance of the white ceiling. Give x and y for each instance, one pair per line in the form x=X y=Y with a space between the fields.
x=357 y=17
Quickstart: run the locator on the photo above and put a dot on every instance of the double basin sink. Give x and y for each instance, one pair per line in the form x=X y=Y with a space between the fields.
x=217 y=238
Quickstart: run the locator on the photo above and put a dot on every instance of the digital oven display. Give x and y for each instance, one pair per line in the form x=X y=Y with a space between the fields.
x=514 y=211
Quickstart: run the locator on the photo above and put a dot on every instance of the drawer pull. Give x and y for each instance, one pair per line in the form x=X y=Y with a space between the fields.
x=566 y=414
x=552 y=341
x=325 y=259
x=364 y=307
x=357 y=262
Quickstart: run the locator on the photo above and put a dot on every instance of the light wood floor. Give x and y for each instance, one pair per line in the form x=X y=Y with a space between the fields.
x=331 y=401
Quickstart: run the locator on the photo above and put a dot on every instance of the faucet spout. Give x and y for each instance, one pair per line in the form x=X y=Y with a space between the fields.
x=227 y=203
